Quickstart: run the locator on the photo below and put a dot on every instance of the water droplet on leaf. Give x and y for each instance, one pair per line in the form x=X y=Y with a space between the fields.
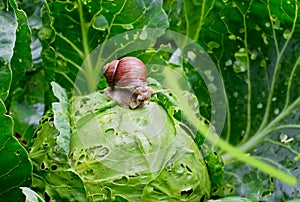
x=144 y=34
x=287 y=34
x=212 y=45
x=191 y=55
x=228 y=62
x=240 y=65
x=212 y=88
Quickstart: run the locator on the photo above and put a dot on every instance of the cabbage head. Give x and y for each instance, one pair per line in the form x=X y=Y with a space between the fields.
x=117 y=154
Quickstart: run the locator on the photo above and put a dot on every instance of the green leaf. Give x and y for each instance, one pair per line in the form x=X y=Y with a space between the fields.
x=27 y=107
x=17 y=171
x=61 y=119
x=8 y=26
x=22 y=58
x=52 y=175
x=89 y=24
x=259 y=63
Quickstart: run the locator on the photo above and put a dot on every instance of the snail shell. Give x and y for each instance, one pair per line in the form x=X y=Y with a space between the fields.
x=127 y=80
x=126 y=72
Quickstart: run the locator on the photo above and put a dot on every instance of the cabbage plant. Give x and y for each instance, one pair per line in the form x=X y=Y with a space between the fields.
x=117 y=153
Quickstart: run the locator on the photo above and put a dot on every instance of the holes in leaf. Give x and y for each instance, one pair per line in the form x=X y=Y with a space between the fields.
x=267 y=193
x=121 y=181
x=45 y=144
x=120 y=198
x=54 y=167
x=47 y=197
x=109 y=132
x=157 y=190
x=18 y=152
x=85 y=100
x=24 y=142
x=203 y=198
x=77 y=113
x=18 y=136
x=89 y=173
x=186 y=193
x=186 y=167
x=42 y=166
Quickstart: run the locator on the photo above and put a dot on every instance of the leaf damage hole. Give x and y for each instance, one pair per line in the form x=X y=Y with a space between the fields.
x=203 y=199
x=24 y=142
x=43 y=166
x=47 y=197
x=53 y=167
x=110 y=132
x=156 y=190
x=187 y=193
x=18 y=152
x=18 y=136
x=122 y=181
x=186 y=167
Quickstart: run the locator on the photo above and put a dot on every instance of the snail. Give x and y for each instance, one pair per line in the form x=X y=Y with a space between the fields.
x=127 y=80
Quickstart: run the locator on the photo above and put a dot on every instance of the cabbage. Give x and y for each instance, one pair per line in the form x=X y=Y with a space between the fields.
x=116 y=154
x=137 y=155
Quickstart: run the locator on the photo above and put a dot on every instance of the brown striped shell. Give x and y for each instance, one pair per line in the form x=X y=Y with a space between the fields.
x=126 y=72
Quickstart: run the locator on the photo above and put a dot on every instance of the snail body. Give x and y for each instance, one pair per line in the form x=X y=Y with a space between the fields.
x=127 y=79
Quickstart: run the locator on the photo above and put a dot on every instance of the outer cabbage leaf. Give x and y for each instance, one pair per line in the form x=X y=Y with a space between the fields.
x=16 y=169
x=255 y=45
x=8 y=26
x=53 y=177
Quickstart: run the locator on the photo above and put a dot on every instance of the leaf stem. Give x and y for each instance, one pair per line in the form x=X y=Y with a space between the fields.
x=249 y=89
x=288 y=93
x=91 y=78
x=270 y=127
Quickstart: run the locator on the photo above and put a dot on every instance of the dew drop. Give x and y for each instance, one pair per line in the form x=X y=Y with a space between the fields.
x=191 y=55
x=259 y=106
x=283 y=137
x=228 y=62
x=287 y=34
x=263 y=63
x=143 y=35
x=212 y=88
x=274 y=99
x=235 y=94
x=267 y=24
x=240 y=65
x=212 y=45
x=265 y=38
x=253 y=56
x=276 y=111
x=232 y=37
x=208 y=75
